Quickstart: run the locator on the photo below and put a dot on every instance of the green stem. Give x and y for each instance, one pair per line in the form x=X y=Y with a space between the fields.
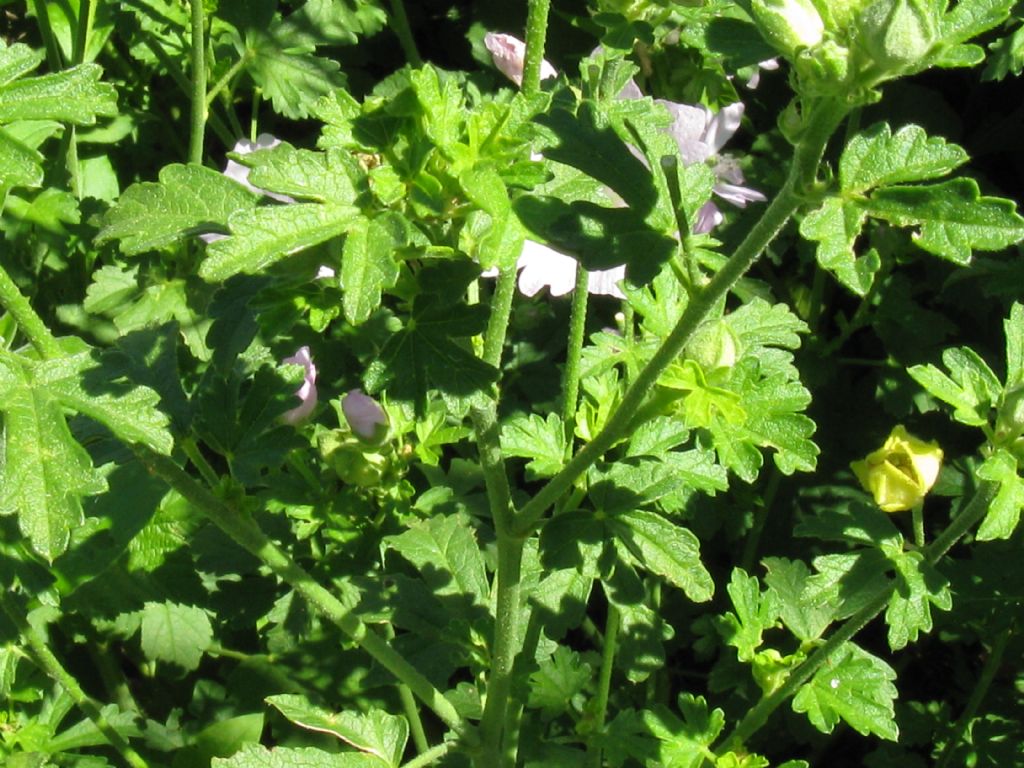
x=917 y=516
x=429 y=757
x=400 y=25
x=412 y=714
x=191 y=449
x=604 y=682
x=536 y=35
x=574 y=351
x=50 y=664
x=750 y=546
x=249 y=536
x=505 y=648
x=821 y=124
x=988 y=674
x=46 y=32
x=198 y=64
x=86 y=19
x=758 y=715
x=501 y=310
x=28 y=321
x=226 y=78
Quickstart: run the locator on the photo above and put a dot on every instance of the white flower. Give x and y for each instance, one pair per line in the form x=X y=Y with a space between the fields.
x=768 y=65
x=508 y=55
x=701 y=134
x=543 y=267
x=307 y=393
x=240 y=173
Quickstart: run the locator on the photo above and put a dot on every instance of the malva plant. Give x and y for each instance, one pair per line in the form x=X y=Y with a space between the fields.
x=291 y=474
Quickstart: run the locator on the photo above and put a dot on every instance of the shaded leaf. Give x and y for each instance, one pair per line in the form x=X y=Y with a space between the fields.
x=176 y=633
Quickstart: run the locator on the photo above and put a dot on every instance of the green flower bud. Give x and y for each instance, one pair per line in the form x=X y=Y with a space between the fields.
x=901 y=472
x=896 y=34
x=789 y=25
x=713 y=346
x=838 y=14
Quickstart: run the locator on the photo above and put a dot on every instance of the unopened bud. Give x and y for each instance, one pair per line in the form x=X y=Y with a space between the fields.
x=896 y=34
x=365 y=417
x=789 y=25
x=713 y=346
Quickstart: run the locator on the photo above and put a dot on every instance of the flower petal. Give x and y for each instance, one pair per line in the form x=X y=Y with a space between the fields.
x=509 y=55
x=306 y=393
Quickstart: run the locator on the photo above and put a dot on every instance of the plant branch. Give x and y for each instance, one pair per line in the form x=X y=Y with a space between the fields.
x=198 y=86
x=401 y=28
x=758 y=715
x=51 y=665
x=574 y=351
x=821 y=123
x=30 y=324
x=604 y=682
x=245 y=532
x=536 y=35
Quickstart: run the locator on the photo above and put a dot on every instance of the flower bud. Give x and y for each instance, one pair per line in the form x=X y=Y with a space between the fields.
x=838 y=14
x=901 y=472
x=789 y=25
x=365 y=417
x=896 y=34
x=712 y=346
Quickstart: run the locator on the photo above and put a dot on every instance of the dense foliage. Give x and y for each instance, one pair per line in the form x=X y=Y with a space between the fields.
x=381 y=390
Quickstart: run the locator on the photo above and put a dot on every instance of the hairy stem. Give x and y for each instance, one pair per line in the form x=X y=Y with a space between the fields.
x=400 y=25
x=29 y=323
x=536 y=35
x=821 y=123
x=988 y=674
x=430 y=757
x=574 y=351
x=198 y=64
x=758 y=715
x=51 y=665
x=245 y=532
x=604 y=683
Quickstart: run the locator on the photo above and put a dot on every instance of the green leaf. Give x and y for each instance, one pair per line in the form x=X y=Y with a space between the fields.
x=538 y=439
x=73 y=95
x=878 y=157
x=333 y=176
x=368 y=267
x=959 y=56
x=20 y=166
x=376 y=733
x=1004 y=512
x=684 y=742
x=953 y=217
x=665 y=549
x=287 y=70
x=263 y=236
x=443 y=110
x=972 y=389
x=559 y=680
x=44 y=471
x=756 y=612
x=129 y=412
x=187 y=200
x=17 y=60
x=257 y=756
x=445 y=550
x=425 y=355
x=1013 y=327
x=918 y=586
x=176 y=633
x=805 y=610
x=969 y=18
x=835 y=226
x=853 y=686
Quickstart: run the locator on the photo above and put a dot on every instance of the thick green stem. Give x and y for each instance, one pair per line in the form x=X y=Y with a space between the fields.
x=401 y=28
x=50 y=664
x=245 y=532
x=504 y=650
x=46 y=32
x=501 y=309
x=988 y=674
x=821 y=124
x=758 y=715
x=604 y=683
x=574 y=351
x=536 y=35
x=198 y=65
x=28 y=321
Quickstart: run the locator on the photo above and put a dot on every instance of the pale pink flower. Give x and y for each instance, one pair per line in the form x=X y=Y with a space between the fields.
x=543 y=267
x=307 y=393
x=240 y=173
x=365 y=416
x=509 y=53
x=701 y=134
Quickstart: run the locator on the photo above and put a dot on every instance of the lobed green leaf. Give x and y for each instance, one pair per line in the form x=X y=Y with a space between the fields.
x=878 y=157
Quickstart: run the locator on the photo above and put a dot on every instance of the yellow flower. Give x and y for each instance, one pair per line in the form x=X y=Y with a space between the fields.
x=901 y=472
